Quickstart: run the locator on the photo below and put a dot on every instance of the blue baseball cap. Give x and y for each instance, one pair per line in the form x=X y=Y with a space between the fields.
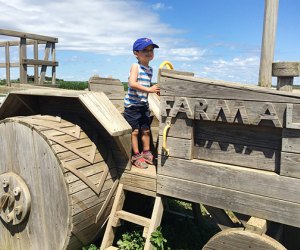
x=142 y=43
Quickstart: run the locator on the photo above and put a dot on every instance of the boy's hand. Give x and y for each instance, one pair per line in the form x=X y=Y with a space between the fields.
x=154 y=89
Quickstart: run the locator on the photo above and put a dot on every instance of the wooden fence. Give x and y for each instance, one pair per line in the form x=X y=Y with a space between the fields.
x=24 y=62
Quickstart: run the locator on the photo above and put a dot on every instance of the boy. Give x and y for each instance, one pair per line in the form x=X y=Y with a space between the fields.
x=136 y=105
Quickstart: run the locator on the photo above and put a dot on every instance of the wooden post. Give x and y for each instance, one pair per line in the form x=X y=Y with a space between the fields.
x=36 y=57
x=285 y=72
x=44 y=67
x=268 y=43
x=53 y=67
x=7 y=62
x=23 y=67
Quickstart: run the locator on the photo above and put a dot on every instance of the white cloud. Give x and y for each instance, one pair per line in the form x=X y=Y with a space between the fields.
x=244 y=70
x=160 y=6
x=107 y=27
x=182 y=54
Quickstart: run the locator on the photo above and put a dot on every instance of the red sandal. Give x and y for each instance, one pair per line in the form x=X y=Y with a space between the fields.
x=138 y=161
x=148 y=157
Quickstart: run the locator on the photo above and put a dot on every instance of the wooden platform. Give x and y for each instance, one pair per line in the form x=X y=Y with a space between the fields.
x=140 y=180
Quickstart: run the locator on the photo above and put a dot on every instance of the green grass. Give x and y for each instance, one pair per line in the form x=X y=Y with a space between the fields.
x=76 y=85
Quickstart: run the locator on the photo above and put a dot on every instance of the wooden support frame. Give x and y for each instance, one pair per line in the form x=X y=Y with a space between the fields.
x=33 y=40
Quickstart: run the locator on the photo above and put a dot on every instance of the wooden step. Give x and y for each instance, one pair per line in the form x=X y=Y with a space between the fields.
x=133 y=218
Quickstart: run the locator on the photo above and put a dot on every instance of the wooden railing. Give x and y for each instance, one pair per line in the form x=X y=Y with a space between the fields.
x=25 y=40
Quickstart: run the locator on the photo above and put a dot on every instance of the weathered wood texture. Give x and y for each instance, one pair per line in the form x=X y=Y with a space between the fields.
x=69 y=174
x=113 y=88
x=68 y=105
x=231 y=146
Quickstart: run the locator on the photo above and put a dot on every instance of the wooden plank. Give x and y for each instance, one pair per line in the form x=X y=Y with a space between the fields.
x=137 y=181
x=104 y=111
x=180 y=128
x=13 y=33
x=133 y=218
x=188 y=86
x=290 y=140
x=156 y=217
x=23 y=67
x=39 y=62
x=246 y=203
x=44 y=67
x=154 y=104
x=7 y=64
x=103 y=80
x=36 y=57
x=263 y=183
x=17 y=43
x=181 y=148
x=290 y=164
x=53 y=55
x=115 y=92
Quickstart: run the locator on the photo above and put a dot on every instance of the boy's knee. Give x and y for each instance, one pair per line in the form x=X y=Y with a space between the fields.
x=135 y=132
x=146 y=131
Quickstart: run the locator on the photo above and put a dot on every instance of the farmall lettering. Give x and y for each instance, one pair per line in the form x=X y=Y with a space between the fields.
x=219 y=110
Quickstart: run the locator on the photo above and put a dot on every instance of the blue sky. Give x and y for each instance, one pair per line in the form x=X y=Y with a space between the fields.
x=215 y=39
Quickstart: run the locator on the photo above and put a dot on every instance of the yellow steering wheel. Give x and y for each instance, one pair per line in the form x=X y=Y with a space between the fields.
x=168 y=65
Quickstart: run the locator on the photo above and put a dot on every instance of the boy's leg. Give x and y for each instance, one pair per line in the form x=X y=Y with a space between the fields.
x=147 y=155
x=134 y=141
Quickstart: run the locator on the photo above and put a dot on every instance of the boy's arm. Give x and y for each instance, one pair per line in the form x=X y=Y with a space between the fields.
x=135 y=85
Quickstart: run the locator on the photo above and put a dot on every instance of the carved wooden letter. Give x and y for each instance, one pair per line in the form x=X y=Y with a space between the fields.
x=268 y=113
x=239 y=108
x=221 y=106
x=200 y=107
x=181 y=105
x=165 y=105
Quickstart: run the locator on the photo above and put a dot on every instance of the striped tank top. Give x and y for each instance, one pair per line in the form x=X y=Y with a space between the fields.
x=135 y=97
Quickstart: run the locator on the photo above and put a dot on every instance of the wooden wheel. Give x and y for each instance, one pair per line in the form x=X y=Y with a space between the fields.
x=238 y=239
x=55 y=172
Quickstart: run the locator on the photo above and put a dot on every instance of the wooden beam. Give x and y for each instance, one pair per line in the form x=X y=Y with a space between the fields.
x=53 y=60
x=36 y=57
x=44 y=67
x=268 y=43
x=17 y=43
x=7 y=64
x=39 y=62
x=12 y=65
x=23 y=67
x=27 y=35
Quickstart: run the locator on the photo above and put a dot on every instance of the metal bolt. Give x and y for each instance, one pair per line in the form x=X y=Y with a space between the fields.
x=5 y=182
x=17 y=191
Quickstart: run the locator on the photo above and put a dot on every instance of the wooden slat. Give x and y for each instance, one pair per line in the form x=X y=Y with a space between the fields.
x=39 y=62
x=181 y=148
x=17 y=43
x=246 y=203
x=133 y=218
x=27 y=35
x=103 y=110
x=264 y=183
x=44 y=67
x=172 y=85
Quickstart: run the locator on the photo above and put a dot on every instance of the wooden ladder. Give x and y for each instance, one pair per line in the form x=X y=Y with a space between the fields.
x=117 y=214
